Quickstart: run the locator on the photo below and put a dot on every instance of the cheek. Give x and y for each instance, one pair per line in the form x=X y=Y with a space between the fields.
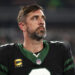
x=32 y=25
x=33 y=28
x=30 y=28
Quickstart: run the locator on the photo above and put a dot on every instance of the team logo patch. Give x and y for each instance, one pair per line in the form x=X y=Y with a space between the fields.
x=18 y=63
x=38 y=61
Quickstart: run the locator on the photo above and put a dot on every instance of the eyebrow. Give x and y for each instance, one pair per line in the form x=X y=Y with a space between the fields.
x=43 y=16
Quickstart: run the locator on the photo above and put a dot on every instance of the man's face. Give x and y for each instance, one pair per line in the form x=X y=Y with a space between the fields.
x=35 y=25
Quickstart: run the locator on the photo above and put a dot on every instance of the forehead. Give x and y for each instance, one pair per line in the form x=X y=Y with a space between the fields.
x=37 y=12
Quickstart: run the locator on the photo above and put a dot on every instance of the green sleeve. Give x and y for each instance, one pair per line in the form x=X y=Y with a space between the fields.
x=69 y=66
x=3 y=70
x=2 y=73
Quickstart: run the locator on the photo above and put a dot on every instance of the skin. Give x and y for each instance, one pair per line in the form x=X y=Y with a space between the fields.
x=34 y=22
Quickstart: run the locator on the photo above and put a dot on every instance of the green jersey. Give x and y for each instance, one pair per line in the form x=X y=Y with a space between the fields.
x=54 y=59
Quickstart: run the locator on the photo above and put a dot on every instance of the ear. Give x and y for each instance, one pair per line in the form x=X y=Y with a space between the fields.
x=22 y=26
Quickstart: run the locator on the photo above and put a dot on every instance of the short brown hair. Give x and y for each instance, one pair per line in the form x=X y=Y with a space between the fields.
x=27 y=9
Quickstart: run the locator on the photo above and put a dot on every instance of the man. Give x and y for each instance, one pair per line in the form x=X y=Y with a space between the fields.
x=35 y=56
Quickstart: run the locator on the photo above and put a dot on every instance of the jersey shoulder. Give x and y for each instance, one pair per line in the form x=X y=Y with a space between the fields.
x=6 y=45
x=6 y=48
x=61 y=45
x=57 y=43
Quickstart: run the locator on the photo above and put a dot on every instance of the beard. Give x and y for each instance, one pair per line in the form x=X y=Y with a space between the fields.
x=38 y=34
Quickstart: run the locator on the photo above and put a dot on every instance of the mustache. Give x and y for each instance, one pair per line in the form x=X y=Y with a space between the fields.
x=41 y=24
x=41 y=27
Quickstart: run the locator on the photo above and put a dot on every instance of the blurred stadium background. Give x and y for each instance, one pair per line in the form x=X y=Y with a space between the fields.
x=60 y=20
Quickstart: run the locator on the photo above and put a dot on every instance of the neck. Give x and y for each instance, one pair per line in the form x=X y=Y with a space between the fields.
x=33 y=45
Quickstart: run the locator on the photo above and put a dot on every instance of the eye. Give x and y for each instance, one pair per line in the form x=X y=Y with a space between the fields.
x=34 y=18
x=43 y=17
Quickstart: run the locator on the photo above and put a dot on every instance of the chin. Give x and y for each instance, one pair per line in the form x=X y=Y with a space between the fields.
x=40 y=37
x=42 y=34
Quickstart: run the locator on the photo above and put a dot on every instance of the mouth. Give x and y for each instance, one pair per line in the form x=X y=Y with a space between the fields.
x=41 y=28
